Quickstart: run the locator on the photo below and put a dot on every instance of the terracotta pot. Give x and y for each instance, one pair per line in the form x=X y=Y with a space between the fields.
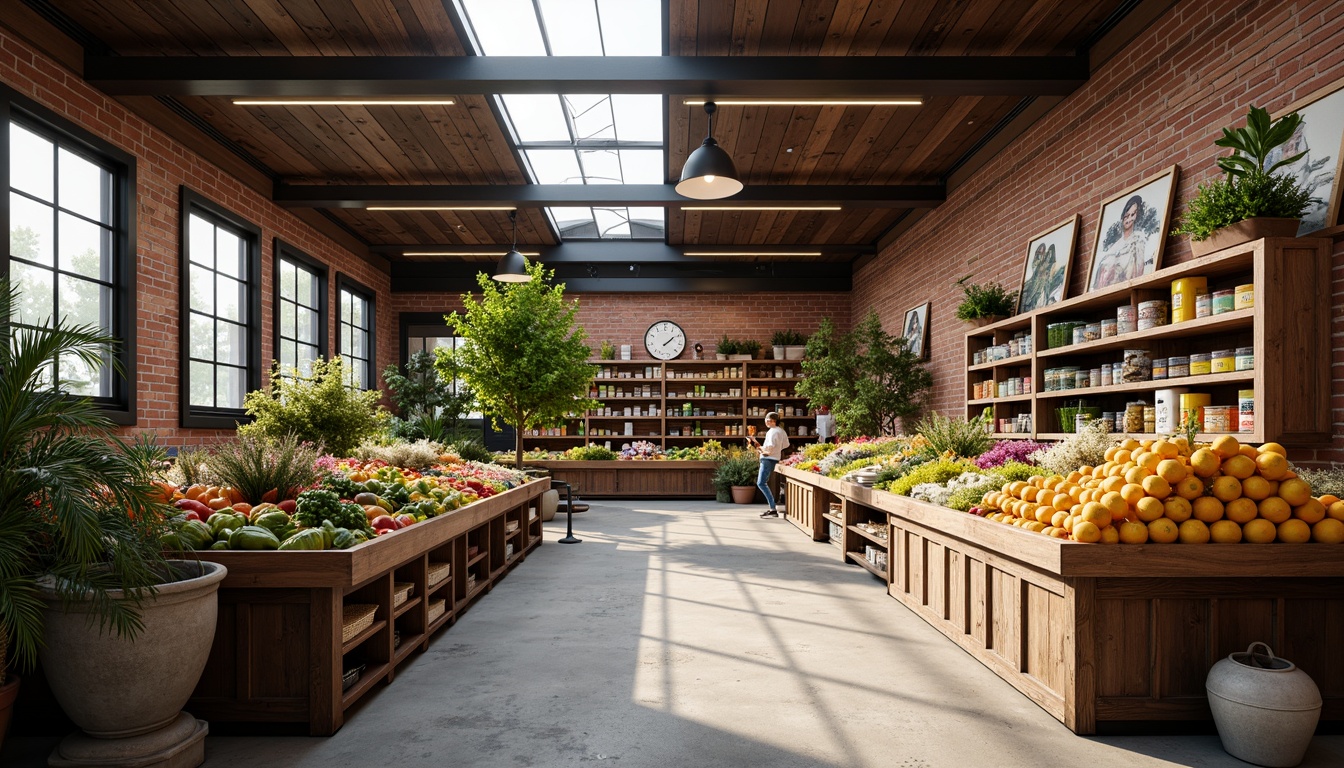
x=744 y=494
x=1244 y=232
x=1266 y=709
x=8 y=692
x=127 y=695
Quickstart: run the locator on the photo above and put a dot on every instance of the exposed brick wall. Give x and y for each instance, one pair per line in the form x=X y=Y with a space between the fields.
x=622 y=318
x=162 y=166
x=1160 y=102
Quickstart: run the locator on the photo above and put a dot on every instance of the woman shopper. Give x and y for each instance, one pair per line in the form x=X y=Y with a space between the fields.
x=771 y=451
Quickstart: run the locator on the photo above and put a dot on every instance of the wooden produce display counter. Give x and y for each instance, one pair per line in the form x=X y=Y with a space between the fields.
x=279 y=653
x=634 y=479
x=1096 y=634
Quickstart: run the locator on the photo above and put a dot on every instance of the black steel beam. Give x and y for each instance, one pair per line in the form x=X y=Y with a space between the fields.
x=744 y=76
x=699 y=277
x=618 y=195
x=625 y=251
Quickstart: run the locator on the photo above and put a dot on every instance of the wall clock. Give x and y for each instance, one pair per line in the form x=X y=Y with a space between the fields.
x=665 y=340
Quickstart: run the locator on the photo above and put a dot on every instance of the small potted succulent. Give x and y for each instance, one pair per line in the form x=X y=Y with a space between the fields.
x=1251 y=201
x=984 y=303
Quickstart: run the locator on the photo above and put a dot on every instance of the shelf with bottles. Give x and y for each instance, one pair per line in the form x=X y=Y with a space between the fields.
x=703 y=370
x=623 y=391
x=648 y=410
x=628 y=369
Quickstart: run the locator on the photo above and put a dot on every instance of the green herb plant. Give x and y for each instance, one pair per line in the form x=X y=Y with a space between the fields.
x=607 y=351
x=726 y=346
x=1248 y=189
x=966 y=438
x=316 y=408
x=256 y=464
x=985 y=300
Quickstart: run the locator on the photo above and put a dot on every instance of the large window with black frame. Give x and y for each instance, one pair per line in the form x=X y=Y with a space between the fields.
x=69 y=257
x=354 y=332
x=301 y=310
x=222 y=343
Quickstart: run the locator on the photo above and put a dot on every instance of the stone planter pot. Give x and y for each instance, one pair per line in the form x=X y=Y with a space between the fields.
x=792 y=352
x=739 y=357
x=8 y=693
x=744 y=494
x=1243 y=232
x=777 y=353
x=547 y=504
x=1266 y=709
x=127 y=695
x=720 y=356
x=981 y=322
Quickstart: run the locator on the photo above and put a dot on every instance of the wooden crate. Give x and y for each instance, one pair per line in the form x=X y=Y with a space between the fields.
x=634 y=479
x=279 y=654
x=1098 y=634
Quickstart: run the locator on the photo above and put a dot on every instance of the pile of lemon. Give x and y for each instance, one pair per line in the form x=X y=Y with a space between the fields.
x=1167 y=491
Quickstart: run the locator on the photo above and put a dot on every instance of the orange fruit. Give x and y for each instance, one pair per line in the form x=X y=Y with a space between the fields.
x=1115 y=504
x=1166 y=449
x=1206 y=509
x=1148 y=509
x=1163 y=531
x=1327 y=531
x=1045 y=514
x=1204 y=462
x=1029 y=493
x=1193 y=532
x=1131 y=493
x=1137 y=533
x=1239 y=467
x=1275 y=509
x=1226 y=488
x=1310 y=513
x=1086 y=532
x=1122 y=455
x=1110 y=452
x=1129 y=444
x=1225 y=532
x=1271 y=466
x=1157 y=487
x=1150 y=461
x=1294 y=532
x=1327 y=499
x=1057 y=519
x=1110 y=535
x=1096 y=514
x=1295 y=491
x=1241 y=510
x=1336 y=510
x=1249 y=451
x=1190 y=488
x=1068 y=523
x=1273 y=448
x=1060 y=501
x=1136 y=474
x=1259 y=531
x=1059 y=533
x=1172 y=470
x=1255 y=487
x=1112 y=484
x=1226 y=446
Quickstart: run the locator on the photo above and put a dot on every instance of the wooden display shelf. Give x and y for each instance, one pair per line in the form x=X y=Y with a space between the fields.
x=278 y=654
x=862 y=561
x=1202 y=437
x=1226 y=322
x=1290 y=343
x=634 y=479
x=881 y=542
x=1008 y=399
x=1099 y=635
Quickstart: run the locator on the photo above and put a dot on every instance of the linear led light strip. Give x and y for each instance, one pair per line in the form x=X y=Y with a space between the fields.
x=810 y=102
x=342 y=102
x=465 y=253
x=440 y=208
x=761 y=208
x=751 y=253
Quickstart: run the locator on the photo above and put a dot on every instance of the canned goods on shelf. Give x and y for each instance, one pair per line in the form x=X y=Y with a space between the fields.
x=1177 y=366
x=1201 y=363
x=1223 y=361
x=1126 y=319
x=1246 y=410
x=1152 y=314
x=1183 y=293
x=1203 y=305
x=1224 y=301
x=1245 y=360
x=1219 y=418
x=1159 y=368
x=1245 y=296
x=1138 y=366
x=1108 y=328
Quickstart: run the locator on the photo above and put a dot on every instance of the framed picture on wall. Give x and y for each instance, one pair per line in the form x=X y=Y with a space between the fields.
x=1046 y=275
x=1132 y=231
x=916 y=331
x=1321 y=137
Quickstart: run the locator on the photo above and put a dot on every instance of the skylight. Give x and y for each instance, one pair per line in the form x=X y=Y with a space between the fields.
x=581 y=138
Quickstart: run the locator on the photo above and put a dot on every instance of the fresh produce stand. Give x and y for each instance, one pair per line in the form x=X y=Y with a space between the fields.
x=1096 y=635
x=631 y=479
x=281 y=650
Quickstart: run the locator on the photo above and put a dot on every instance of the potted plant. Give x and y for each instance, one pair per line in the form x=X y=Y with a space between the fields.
x=738 y=473
x=778 y=340
x=724 y=348
x=984 y=303
x=748 y=350
x=608 y=351
x=1251 y=201
x=83 y=518
x=788 y=345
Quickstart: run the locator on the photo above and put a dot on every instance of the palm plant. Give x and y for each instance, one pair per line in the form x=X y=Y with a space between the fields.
x=77 y=503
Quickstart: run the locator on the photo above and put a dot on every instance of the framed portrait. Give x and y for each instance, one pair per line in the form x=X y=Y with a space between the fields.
x=915 y=329
x=1046 y=275
x=1132 y=231
x=1321 y=137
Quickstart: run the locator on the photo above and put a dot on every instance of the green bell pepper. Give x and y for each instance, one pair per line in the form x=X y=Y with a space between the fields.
x=222 y=522
x=253 y=537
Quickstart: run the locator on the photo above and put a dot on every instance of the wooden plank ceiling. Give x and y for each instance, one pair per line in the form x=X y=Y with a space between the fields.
x=465 y=144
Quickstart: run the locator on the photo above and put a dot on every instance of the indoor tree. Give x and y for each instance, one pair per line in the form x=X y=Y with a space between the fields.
x=432 y=402
x=867 y=377
x=524 y=357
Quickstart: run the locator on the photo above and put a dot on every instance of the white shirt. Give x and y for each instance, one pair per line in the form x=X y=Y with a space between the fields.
x=825 y=426
x=776 y=440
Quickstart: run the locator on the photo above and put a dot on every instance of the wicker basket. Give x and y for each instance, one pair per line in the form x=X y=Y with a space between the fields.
x=401 y=592
x=438 y=572
x=355 y=618
x=436 y=609
x=511 y=526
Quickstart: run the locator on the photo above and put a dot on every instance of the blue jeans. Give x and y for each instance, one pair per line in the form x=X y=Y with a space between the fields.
x=767 y=466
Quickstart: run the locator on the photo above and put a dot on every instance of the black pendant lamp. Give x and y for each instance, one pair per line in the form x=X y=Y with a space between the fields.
x=709 y=173
x=513 y=267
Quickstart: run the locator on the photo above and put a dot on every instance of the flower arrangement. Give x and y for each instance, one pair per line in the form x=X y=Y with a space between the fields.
x=640 y=450
x=1084 y=448
x=1008 y=450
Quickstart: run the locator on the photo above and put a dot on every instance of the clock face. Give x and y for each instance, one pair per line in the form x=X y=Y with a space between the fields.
x=665 y=340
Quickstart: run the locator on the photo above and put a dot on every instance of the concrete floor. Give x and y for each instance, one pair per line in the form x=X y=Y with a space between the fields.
x=696 y=634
